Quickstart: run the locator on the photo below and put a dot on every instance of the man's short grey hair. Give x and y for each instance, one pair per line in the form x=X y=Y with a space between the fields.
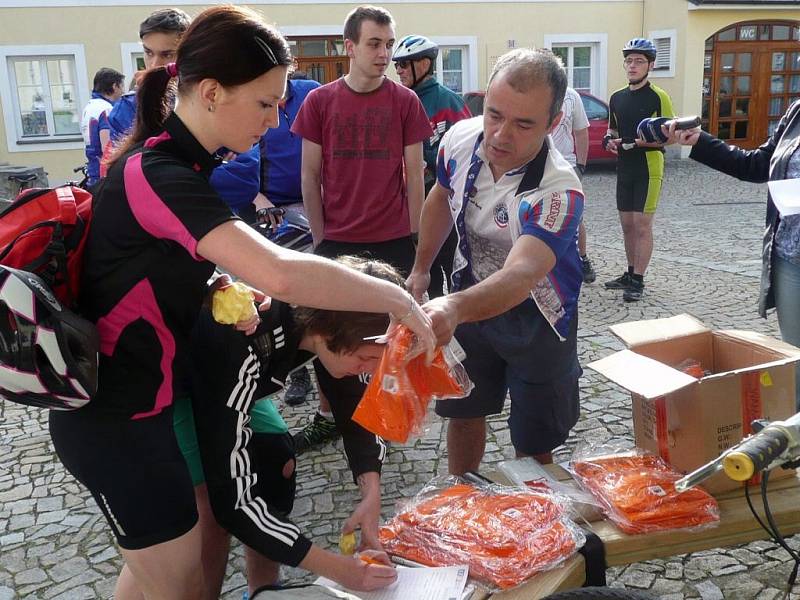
x=526 y=68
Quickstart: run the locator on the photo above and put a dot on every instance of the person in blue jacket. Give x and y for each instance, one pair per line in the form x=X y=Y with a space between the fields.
x=269 y=175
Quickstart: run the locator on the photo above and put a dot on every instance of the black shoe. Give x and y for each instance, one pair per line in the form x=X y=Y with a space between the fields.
x=588 y=270
x=299 y=387
x=622 y=282
x=634 y=292
x=318 y=431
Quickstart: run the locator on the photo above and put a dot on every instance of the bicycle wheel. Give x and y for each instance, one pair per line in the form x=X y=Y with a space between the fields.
x=600 y=593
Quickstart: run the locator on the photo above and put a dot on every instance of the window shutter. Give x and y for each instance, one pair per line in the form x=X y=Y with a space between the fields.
x=663 y=54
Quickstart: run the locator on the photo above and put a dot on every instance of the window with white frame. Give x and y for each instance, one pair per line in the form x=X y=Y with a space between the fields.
x=46 y=96
x=585 y=58
x=451 y=68
x=43 y=90
x=132 y=60
x=666 y=44
x=579 y=63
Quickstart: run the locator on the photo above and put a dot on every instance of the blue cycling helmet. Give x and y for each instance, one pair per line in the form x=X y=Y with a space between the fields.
x=640 y=46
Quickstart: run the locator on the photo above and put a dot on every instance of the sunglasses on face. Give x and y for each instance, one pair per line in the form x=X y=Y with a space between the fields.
x=401 y=64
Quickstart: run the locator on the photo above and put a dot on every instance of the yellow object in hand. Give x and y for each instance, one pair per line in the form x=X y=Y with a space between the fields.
x=232 y=304
x=347 y=543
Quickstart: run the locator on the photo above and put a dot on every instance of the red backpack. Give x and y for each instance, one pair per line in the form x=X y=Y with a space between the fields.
x=44 y=231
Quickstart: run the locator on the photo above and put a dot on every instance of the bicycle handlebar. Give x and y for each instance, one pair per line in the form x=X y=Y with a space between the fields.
x=778 y=443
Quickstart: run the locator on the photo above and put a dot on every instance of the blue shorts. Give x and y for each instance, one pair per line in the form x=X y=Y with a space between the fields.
x=518 y=352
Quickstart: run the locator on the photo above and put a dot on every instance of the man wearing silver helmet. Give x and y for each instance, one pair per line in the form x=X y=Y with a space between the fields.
x=415 y=59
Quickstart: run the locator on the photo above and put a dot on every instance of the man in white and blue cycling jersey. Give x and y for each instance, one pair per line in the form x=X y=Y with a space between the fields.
x=106 y=89
x=517 y=205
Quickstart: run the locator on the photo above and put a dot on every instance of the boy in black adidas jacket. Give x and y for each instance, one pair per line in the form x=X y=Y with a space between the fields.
x=247 y=453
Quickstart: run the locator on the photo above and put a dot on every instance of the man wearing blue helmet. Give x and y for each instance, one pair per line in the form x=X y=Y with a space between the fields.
x=640 y=164
x=414 y=59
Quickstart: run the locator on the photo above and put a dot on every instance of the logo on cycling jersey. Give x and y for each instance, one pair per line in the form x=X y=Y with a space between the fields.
x=501 y=215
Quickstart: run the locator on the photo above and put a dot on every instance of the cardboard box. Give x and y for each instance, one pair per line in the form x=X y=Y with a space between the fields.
x=688 y=420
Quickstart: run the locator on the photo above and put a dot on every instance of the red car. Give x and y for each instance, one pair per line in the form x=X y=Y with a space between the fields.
x=596 y=111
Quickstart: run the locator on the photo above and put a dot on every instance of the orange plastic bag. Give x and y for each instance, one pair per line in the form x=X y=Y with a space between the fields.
x=505 y=535
x=395 y=403
x=692 y=367
x=638 y=492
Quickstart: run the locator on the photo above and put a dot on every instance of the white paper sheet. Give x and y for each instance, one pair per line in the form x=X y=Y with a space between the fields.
x=786 y=195
x=424 y=583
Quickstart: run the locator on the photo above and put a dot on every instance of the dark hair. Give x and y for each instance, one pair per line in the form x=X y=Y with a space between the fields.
x=344 y=331
x=165 y=20
x=525 y=68
x=105 y=80
x=352 y=24
x=231 y=44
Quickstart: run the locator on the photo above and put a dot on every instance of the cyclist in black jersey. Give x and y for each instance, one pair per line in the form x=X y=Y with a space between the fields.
x=158 y=230
x=640 y=164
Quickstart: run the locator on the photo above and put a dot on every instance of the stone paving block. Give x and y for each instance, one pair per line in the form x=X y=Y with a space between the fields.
x=68 y=569
x=30 y=576
x=637 y=578
x=75 y=585
x=709 y=590
x=83 y=592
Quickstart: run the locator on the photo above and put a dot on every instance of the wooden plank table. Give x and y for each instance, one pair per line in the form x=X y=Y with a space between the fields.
x=736 y=526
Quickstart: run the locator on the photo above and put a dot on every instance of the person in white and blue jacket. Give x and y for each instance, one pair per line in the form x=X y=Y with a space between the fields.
x=517 y=205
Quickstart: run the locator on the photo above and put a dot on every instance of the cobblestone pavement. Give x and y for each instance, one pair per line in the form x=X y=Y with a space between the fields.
x=54 y=542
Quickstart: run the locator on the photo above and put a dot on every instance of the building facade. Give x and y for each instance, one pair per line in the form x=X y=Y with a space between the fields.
x=737 y=63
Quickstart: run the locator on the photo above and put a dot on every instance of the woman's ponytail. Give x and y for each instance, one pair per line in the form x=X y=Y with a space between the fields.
x=154 y=100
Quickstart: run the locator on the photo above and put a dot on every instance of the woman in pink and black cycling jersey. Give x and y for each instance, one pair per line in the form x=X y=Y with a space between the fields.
x=157 y=233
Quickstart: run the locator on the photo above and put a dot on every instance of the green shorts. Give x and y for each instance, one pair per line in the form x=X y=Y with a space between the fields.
x=264 y=418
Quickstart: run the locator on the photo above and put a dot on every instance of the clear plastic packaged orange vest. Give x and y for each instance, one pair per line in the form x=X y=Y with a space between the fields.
x=396 y=400
x=637 y=491
x=505 y=534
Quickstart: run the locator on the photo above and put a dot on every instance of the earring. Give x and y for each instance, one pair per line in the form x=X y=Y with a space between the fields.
x=210 y=108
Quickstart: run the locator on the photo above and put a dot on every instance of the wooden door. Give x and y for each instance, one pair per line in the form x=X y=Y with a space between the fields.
x=782 y=87
x=751 y=75
x=734 y=116
x=323 y=69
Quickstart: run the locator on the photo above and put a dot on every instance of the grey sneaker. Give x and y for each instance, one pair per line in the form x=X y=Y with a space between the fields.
x=299 y=388
x=622 y=282
x=318 y=431
x=634 y=292
x=589 y=274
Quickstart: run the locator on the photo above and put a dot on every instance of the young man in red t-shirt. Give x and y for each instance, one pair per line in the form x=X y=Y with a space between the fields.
x=360 y=133
x=362 y=171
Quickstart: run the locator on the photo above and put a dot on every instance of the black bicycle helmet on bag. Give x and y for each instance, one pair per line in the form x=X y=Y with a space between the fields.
x=48 y=354
x=640 y=46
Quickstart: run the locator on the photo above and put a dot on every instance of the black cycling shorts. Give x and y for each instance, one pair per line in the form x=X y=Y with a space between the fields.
x=135 y=471
x=639 y=178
